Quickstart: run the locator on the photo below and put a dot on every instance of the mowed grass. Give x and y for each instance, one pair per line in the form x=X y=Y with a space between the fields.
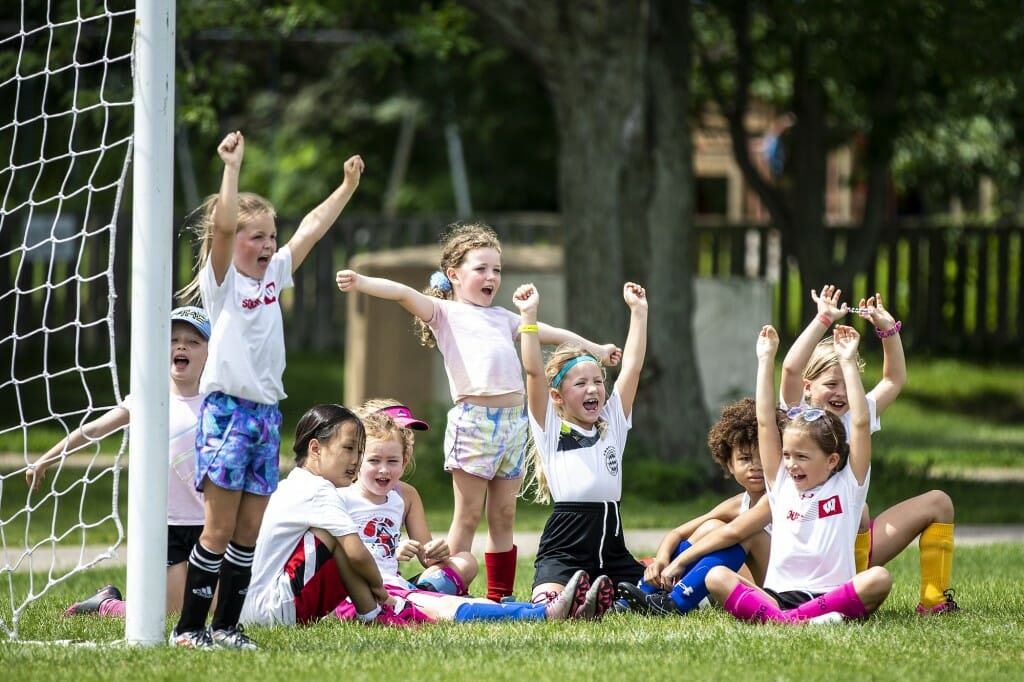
x=981 y=643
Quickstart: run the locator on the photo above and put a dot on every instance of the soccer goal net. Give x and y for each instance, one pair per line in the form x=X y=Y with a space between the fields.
x=68 y=120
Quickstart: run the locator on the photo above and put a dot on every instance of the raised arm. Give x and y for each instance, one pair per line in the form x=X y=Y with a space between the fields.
x=319 y=220
x=225 y=212
x=793 y=365
x=847 y=340
x=769 y=439
x=527 y=299
x=740 y=529
x=89 y=432
x=894 y=363
x=636 y=345
x=416 y=302
x=607 y=354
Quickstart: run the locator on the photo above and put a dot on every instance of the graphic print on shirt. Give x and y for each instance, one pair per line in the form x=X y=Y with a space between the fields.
x=611 y=462
x=384 y=536
x=269 y=296
x=571 y=439
x=811 y=509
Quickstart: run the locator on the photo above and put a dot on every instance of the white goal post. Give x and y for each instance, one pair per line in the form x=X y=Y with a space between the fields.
x=86 y=90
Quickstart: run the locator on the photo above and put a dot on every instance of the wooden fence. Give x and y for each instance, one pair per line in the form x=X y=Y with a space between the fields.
x=958 y=290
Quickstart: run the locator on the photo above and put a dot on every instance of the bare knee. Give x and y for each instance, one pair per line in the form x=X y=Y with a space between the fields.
x=941 y=504
x=873 y=586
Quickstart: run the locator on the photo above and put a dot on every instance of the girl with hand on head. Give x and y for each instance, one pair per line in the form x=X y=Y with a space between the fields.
x=241 y=274
x=579 y=436
x=485 y=441
x=810 y=374
x=378 y=505
x=817 y=486
x=309 y=557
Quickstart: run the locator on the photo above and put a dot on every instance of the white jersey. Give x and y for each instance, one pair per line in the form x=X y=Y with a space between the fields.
x=301 y=501
x=246 y=358
x=184 y=502
x=581 y=465
x=813 y=532
x=380 y=529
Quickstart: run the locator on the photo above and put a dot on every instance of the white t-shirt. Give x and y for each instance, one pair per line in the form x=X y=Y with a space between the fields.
x=745 y=506
x=478 y=345
x=581 y=466
x=813 y=532
x=301 y=501
x=184 y=502
x=246 y=358
x=380 y=529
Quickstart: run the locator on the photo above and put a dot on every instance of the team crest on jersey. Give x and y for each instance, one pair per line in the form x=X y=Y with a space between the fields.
x=384 y=535
x=830 y=506
x=611 y=462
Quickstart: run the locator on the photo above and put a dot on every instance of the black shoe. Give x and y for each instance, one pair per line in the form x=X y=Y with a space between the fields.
x=655 y=603
x=92 y=604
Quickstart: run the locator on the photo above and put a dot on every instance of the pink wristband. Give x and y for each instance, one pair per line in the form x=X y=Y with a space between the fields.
x=824 y=319
x=891 y=331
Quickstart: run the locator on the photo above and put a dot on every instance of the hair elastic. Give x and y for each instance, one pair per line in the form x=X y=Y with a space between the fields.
x=569 y=365
x=439 y=280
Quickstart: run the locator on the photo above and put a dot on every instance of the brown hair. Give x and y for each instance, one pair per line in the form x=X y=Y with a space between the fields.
x=250 y=207
x=827 y=432
x=535 y=478
x=323 y=422
x=824 y=357
x=736 y=429
x=457 y=241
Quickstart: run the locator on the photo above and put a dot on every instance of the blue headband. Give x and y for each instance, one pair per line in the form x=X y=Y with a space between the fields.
x=569 y=365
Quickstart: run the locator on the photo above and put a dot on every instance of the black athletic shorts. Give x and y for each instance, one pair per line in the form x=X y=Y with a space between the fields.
x=585 y=535
x=180 y=541
x=792 y=598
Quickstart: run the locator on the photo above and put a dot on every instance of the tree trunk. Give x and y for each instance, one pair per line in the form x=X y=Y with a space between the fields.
x=618 y=75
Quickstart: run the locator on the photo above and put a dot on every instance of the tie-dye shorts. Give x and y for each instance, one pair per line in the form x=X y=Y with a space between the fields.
x=489 y=442
x=238 y=444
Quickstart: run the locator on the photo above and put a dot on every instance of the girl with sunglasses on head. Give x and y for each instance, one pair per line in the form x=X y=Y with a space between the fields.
x=817 y=486
x=810 y=374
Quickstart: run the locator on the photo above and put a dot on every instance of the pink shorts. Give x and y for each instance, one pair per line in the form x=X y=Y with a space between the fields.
x=314 y=578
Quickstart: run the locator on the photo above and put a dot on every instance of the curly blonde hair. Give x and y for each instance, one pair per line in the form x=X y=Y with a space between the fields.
x=381 y=426
x=536 y=481
x=457 y=241
x=250 y=207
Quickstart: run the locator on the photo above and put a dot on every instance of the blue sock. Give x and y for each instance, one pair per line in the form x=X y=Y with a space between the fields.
x=690 y=590
x=504 y=611
x=683 y=546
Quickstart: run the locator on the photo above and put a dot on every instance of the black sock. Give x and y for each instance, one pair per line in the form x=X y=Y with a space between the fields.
x=200 y=582
x=235 y=574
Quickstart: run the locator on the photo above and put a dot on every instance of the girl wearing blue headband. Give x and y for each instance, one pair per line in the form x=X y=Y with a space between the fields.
x=579 y=434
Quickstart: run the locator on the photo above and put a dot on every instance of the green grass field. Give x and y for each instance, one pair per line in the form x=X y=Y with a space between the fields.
x=980 y=643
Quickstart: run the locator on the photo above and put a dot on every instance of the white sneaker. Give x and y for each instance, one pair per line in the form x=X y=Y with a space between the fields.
x=191 y=639
x=232 y=638
x=826 y=618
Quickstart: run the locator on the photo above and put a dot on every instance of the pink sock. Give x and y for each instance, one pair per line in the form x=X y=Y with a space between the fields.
x=842 y=600
x=114 y=608
x=747 y=603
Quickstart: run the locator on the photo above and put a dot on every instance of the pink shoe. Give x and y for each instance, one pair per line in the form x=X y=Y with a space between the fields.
x=388 y=617
x=947 y=606
x=597 y=599
x=571 y=599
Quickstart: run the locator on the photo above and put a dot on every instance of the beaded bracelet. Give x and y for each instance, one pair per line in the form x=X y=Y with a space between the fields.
x=891 y=331
x=528 y=329
x=824 y=319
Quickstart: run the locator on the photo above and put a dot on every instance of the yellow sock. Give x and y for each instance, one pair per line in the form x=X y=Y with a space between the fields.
x=862 y=550
x=936 y=545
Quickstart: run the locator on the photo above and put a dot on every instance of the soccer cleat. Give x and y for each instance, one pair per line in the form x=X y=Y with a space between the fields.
x=191 y=639
x=947 y=606
x=655 y=603
x=597 y=600
x=826 y=618
x=388 y=618
x=232 y=638
x=569 y=601
x=413 y=615
x=92 y=604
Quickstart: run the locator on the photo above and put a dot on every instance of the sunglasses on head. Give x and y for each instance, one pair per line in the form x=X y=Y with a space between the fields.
x=811 y=414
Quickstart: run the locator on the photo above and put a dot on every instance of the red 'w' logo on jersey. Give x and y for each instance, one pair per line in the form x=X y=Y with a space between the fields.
x=829 y=507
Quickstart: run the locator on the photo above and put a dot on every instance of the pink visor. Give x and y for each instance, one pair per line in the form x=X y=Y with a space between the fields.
x=402 y=415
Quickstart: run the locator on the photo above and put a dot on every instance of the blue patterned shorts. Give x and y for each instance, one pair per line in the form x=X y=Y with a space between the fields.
x=489 y=442
x=238 y=444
